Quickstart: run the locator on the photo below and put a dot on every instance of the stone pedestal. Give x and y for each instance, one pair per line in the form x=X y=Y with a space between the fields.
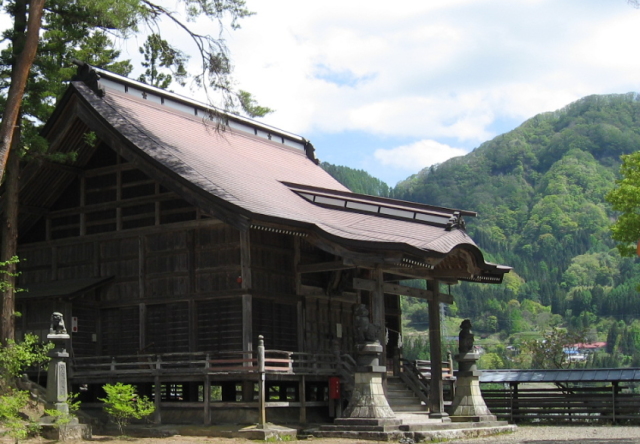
x=57 y=394
x=57 y=389
x=468 y=404
x=368 y=406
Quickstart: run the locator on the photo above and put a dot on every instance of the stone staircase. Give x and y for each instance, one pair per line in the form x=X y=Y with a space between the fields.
x=401 y=398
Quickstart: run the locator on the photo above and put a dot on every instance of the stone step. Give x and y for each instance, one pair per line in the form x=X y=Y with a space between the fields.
x=393 y=402
x=441 y=433
x=451 y=426
x=357 y=428
x=414 y=408
x=400 y=394
x=397 y=388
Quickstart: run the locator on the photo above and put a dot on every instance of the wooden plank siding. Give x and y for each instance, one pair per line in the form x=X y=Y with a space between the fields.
x=178 y=287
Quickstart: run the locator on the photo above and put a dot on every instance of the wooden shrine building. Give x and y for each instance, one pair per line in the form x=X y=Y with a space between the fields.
x=173 y=241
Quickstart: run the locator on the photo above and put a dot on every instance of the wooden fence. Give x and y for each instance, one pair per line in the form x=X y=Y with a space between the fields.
x=276 y=361
x=560 y=404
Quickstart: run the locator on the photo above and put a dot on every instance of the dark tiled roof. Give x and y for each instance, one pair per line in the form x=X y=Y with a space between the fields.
x=562 y=375
x=264 y=180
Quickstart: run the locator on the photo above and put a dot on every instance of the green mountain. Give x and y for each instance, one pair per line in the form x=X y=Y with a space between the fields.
x=358 y=181
x=539 y=191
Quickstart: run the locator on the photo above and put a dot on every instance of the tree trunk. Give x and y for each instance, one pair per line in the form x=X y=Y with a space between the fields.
x=26 y=35
x=9 y=231
x=19 y=75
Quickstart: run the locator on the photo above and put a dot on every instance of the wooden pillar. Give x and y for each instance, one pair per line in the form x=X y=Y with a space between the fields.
x=157 y=393
x=142 y=329
x=247 y=323
x=206 y=397
x=303 y=400
x=262 y=414
x=436 y=401
x=245 y=258
x=377 y=309
x=245 y=276
x=614 y=392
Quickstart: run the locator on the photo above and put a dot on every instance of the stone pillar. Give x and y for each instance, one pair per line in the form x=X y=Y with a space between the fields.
x=368 y=406
x=57 y=388
x=468 y=403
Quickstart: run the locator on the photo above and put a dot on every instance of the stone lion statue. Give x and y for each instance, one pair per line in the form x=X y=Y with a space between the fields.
x=365 y=331
x=465 y=338
x=57 y=324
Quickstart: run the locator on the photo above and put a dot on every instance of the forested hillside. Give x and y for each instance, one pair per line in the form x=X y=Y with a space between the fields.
x=540 y=194
x=358 y=181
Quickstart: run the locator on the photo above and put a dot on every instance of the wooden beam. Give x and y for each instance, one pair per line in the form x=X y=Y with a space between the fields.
x=38 y=211
x=436 y=401
x=76 y=171
x=245 y=259
x=370 y=285
x=378 y=309
x=323 y=266
x=352 y=257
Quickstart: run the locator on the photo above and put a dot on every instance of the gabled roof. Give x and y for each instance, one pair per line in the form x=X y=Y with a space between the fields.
x=250 y=174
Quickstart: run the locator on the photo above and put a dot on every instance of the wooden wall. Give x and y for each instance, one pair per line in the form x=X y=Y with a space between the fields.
x=177 y=274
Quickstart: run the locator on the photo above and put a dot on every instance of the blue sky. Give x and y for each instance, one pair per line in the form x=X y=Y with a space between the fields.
x=392 y=88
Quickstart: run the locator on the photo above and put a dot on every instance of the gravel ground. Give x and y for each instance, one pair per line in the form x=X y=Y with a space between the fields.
x=524 y=435
x=563 y=434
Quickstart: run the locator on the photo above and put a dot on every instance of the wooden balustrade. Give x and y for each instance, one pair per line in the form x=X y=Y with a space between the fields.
x=276 y=361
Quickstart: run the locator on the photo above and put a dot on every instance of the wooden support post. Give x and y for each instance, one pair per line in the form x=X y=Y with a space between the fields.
x=303 y=400
x=377 y=310
x=436 y=404
x=206 y=396
x=247 y=391
x=157 y=393
x=142 y=329
x=301 y=325
x=514 y=402
x=262 y=414
x=83 y=216
x=247 y=328
x=141 y=265
x=614 y=392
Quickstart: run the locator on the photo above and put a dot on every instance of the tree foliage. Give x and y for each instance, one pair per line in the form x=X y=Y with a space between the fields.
x=158 y=54
x=123 y=404
x=625 y=198
x=549 y=351
x=86 y=30
x=540 y=192
x=358 y=181
x=546 y=194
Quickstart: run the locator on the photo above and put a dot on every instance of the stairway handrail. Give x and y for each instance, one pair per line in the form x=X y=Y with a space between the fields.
x=415 y=380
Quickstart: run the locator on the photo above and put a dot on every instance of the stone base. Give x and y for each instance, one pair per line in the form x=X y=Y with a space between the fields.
x=484 y=418
x=67 y=432
x=368 y=422
x=443 y=416
x=368 y=399
x=468 y=402
x=269 y=432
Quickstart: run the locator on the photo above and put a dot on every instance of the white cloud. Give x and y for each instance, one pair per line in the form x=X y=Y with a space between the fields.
x=433 y=69
x=447 y=72
x=418 y=155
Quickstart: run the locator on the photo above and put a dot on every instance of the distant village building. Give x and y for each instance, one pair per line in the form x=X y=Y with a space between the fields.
x=181 y=234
